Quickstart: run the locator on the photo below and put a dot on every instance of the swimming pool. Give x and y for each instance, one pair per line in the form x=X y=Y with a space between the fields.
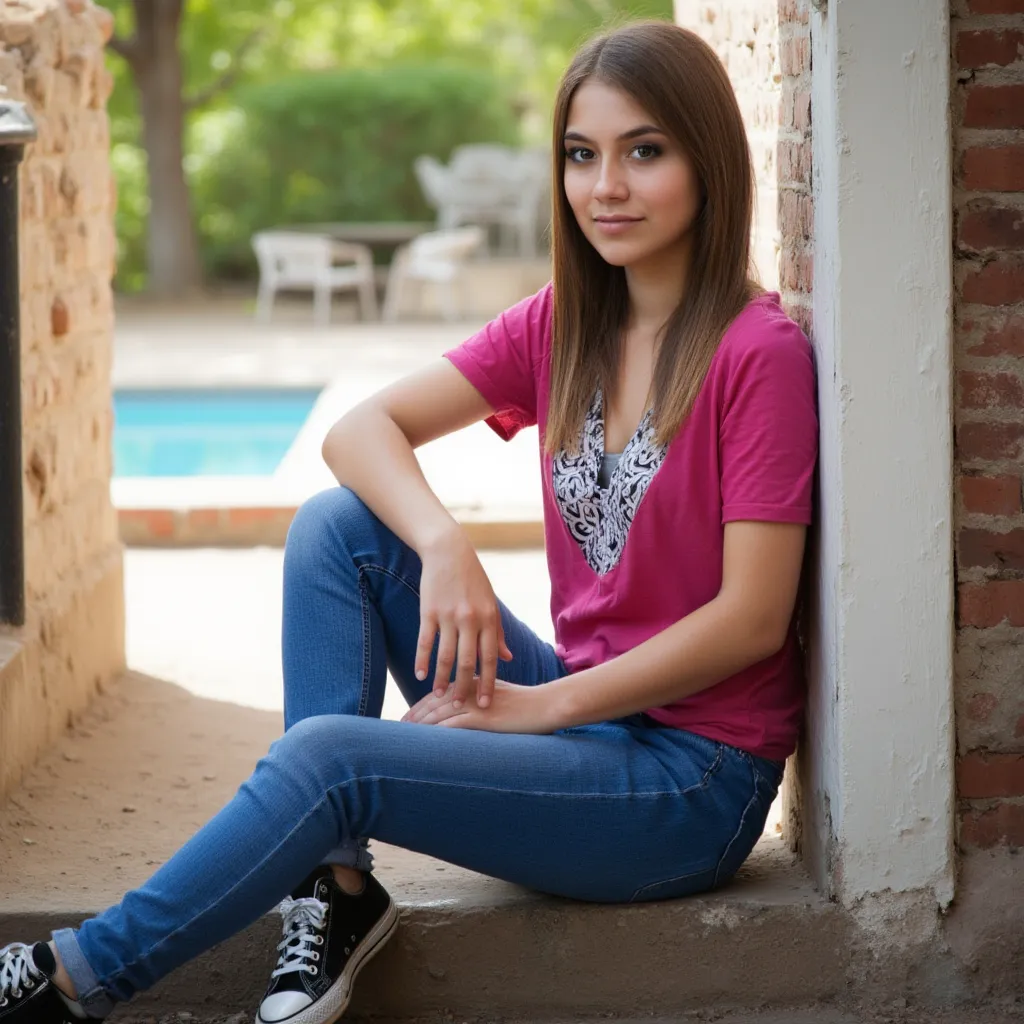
x=206 y=432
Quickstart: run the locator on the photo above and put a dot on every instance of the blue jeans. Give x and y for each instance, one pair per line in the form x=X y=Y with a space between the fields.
x=626 y=810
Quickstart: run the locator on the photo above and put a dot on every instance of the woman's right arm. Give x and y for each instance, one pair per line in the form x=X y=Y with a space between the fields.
x=371 y=450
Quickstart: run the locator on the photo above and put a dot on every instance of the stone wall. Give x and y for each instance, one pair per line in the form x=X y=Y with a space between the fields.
x=51 y=56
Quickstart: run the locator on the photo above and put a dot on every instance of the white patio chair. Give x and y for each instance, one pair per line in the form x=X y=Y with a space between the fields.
x=487 y=183
x=294 y=259
x=437 y=257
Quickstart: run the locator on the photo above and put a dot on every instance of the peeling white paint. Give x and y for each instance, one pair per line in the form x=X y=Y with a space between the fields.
x=878 y=794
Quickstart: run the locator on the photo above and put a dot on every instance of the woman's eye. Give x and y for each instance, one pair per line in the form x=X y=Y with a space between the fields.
x=647 y=150
x=577 y=154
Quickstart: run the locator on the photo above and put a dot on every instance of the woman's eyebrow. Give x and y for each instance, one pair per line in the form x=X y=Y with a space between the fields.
x=644 y=129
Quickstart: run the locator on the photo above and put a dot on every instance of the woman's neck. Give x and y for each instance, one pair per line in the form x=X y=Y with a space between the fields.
x=656 y=287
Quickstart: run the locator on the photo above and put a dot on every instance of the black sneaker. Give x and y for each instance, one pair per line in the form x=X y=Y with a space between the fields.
x=27 y=996
x=328 y=937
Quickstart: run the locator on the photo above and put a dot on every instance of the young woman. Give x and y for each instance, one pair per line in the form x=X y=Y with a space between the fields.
x=638 y=757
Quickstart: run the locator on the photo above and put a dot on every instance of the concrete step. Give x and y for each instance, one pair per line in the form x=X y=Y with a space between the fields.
x=150 y=762
x=984 y=1014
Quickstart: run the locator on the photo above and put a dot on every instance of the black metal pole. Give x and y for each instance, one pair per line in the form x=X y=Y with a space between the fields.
x=16 y=129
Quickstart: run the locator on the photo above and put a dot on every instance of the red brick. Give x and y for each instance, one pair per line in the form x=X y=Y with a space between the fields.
x=154 y=522
x=988 y=226
x=795 y=108
x=991 y=495
x=980 y=707
x=988 y=549
x=793 y=11
x=1000 y=47
x=259 y=515
x=1005 y=338
x=990 y=390
x=988 y=604
x=796 y=215
x=990 y=441
x=795 y=55
x=993 y=169
x=1003 y=823
x=794 y=159
x=996 y=283
x=994 y=106
x=996 y=6
x=981 y=775
x=796 y=270
x=203 y=518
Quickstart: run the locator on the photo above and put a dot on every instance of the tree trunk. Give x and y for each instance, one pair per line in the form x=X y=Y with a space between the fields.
x=172 y=250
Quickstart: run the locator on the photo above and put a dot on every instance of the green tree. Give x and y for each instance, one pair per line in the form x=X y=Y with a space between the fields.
x=181 y=58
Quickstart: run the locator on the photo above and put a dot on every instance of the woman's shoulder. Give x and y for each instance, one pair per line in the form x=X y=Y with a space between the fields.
x=531 y=315
x=762 y=333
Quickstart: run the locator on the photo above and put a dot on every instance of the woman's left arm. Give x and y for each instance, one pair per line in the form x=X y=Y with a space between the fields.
x=746 y=622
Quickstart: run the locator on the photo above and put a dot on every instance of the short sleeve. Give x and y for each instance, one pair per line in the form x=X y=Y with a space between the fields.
x=768 y=438
x=503 y=360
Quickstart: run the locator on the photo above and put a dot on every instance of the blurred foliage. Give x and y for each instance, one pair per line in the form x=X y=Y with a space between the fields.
x=277 y=160
x=269 y=45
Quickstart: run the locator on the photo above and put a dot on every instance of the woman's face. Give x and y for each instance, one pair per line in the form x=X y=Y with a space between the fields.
x=633 y=190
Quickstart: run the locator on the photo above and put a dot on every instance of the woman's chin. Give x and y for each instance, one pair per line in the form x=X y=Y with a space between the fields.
x=619 y=254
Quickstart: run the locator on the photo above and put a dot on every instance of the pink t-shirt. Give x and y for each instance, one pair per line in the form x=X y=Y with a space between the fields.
x=747 y=451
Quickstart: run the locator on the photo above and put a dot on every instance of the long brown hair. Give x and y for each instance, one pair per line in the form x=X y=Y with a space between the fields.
x=677 y=78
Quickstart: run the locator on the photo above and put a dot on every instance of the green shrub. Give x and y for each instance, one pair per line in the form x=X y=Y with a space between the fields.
x=332 y=146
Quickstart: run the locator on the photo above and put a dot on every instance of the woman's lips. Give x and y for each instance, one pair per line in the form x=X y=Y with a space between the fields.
x=616 y=225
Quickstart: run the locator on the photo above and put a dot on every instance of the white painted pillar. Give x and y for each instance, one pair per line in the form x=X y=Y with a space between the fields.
x=878 y=762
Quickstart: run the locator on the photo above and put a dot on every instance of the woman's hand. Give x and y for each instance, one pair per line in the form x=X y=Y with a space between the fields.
x=520 y=709
x=458 y=602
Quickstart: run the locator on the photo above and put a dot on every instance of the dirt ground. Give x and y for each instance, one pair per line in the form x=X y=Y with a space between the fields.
x=822 y=1015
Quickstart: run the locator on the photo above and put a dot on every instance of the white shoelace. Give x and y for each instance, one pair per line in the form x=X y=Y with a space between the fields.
x=17 y=971
x=302 y=919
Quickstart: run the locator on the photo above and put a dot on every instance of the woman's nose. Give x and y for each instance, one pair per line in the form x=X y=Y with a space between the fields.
x=611 y=182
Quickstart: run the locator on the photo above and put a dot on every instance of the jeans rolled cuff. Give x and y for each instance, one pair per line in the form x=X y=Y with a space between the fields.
x=352 y=853
x=92 y=997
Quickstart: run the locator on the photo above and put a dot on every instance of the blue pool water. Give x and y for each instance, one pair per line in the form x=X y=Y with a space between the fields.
x=204 y=432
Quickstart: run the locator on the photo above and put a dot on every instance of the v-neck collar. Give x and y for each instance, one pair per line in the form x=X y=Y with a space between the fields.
x=599 y=518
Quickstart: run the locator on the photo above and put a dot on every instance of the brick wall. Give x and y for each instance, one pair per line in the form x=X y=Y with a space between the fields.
x=744 y=34
x=51 y=56
x=796 y=203
x=988 y=137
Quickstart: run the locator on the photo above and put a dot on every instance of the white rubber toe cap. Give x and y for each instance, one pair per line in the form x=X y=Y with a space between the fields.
x=282 y=1005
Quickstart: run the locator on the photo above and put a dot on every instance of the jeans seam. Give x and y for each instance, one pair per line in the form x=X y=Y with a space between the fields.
x=667 y=881
x=739 y=828
x=364 y=683
x=373 y=566
x=361 y=569
x=712 y=769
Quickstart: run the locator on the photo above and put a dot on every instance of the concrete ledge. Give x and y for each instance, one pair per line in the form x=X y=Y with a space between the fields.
x=468 y=946
x=251 y=526
x=150 y=762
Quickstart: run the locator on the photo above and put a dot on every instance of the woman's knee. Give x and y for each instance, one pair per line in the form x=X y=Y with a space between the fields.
x=310 y=747
x=326 y=519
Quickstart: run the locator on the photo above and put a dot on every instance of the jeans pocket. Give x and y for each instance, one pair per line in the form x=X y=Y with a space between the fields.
x=712 y=758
